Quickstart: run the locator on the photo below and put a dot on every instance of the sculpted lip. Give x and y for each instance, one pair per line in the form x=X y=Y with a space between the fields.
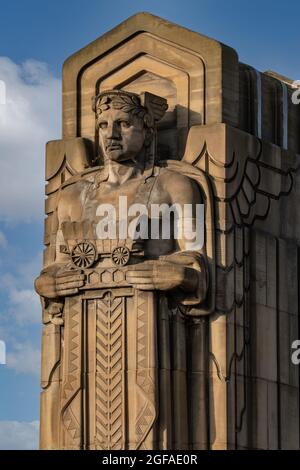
x=113 y=147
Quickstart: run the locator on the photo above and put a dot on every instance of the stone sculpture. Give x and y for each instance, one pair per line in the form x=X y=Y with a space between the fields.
x=124 y=338
x=155 y=343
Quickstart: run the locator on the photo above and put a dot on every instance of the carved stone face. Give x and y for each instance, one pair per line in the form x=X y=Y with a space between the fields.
x=121 y=135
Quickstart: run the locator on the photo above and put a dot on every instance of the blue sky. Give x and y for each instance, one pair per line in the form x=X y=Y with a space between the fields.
x=265 y=33
x=35 y=38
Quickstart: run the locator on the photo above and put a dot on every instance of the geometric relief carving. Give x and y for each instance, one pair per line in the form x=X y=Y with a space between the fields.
x=248 y=177
x=145 y=373
x=109 y=388
x=105 y=276
x=71 y=404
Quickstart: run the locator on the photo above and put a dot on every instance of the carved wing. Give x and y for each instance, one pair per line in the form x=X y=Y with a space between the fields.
x=246 y=173
x=248 y=177
x=64 y=159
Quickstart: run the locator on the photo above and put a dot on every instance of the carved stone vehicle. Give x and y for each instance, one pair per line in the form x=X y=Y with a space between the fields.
x=156 y=342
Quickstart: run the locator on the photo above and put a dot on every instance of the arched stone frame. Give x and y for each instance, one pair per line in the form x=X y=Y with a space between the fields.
x=218 y=62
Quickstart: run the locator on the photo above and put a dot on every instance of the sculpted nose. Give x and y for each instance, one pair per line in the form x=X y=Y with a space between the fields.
x=112 y=131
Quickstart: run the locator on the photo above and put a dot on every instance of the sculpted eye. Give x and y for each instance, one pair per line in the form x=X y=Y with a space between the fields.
x=125 y=124
x=103 y=125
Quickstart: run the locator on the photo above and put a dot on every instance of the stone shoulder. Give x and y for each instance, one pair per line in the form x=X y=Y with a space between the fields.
x=181 y=188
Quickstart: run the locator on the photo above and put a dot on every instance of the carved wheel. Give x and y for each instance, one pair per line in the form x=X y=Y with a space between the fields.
x=83 y=254
x=120 y=255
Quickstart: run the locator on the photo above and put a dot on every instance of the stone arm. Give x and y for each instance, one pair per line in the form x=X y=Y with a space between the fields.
x=56 y=280
x=184 y=271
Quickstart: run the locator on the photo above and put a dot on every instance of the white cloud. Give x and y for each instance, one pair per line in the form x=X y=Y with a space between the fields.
x=29 y=270
x=30 y=117
x=25 y=359
x=25 y=306
x=20 y=311
x=17 y=435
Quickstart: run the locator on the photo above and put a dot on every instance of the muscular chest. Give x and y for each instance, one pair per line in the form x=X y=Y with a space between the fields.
x=95 y=208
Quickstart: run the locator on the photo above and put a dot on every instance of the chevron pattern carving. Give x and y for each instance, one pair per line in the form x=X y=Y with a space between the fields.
x=110 y=373
x=144 y=375
x=72 y=360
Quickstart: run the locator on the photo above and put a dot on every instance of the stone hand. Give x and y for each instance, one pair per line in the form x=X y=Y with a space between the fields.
x=51 y=285
x=162 y=275
x=69 y=282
